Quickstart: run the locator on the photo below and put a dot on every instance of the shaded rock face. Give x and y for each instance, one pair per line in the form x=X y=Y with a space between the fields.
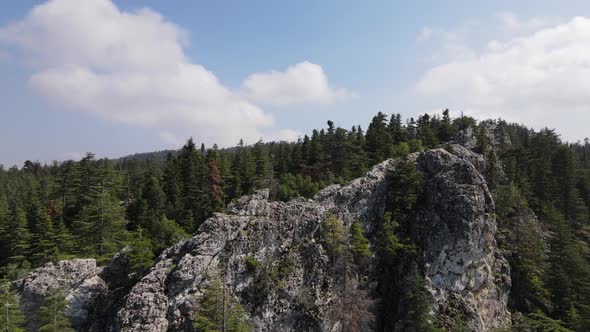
x=293 y=287
x=93 y=293
x=456 y=228
x=64 y=276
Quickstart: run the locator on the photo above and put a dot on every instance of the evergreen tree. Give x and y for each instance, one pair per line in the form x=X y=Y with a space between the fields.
x=426 y=133
x=447 y=129
x=102 y=223
x=262 y=164
x=141 y=255
x=568 y=277
x=11 y=317
x=378 y=140
x=44 y=247
x=360 y=245
x=171 y=187
x=191 y=175
x=15 y=233
x=52 y=317
x=247 y=170
x=218 y=311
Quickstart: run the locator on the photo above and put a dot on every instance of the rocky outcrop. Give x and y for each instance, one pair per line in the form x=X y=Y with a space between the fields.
x=469 y=278
x=292 y=286
x=93 y=293
x=64 y=277
x=281 y=236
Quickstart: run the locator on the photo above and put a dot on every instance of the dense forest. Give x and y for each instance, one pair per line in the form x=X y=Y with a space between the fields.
x=96 y=207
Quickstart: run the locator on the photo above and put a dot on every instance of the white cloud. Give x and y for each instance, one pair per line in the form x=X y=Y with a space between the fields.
x=449 y=43
x=515 y=24
x=541 y=79
x=130 y=67
x=304 y=82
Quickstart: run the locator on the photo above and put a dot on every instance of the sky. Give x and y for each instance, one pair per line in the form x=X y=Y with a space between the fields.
x=120 y=77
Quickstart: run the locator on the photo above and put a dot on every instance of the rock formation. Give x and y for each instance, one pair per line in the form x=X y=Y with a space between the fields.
x=292 y=287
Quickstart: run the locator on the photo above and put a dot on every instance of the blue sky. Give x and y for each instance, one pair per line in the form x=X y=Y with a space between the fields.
x=339 y=60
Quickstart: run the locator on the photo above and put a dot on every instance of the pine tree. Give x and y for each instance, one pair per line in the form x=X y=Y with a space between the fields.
x=396 y=129
x=16 y=234
x=171 y=188
x=360 y=245
x=315 y=158
x=426 y=133
x=191 y=175
x=218 y=312
x=447 y=129
x=154 y=198
x=247 y=165
x=568 y=276
x=11 y=317
x=262 y=164
x=43 y=246
x=102 y=223
x=52 y=317
x=333 y=236
x=378 y=140
x=141 y=255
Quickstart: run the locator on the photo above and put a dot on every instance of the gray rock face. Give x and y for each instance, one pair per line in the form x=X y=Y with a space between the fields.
x=457 y=226
x=293 y=287
x=277 y=234
x=93 y=293
x=64 y=276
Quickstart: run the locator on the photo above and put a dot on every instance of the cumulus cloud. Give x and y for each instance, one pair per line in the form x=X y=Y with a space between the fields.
x=541 y=79
x=304 y=82
x=511 y=22
x=130 y=67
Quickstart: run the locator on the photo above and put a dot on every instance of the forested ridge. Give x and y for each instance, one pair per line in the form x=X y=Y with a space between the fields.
x=96 y=207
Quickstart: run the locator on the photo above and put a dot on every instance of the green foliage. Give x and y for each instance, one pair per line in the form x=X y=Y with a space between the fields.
x=399 y=281
x=219 y=312
x=88 y=207
x=165 y=233
x=360 y=245
x=251 y=263
x=52 y=316
x=537 y=321
x=11 y=317
x=568 y=276
x=140 y=254
x=292 y=186
x=333 y=236
x=529 y=263
x=91 y=207
x=416 y=306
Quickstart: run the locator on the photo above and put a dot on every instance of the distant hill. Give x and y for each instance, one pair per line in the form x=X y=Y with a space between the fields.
x=145 y=156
